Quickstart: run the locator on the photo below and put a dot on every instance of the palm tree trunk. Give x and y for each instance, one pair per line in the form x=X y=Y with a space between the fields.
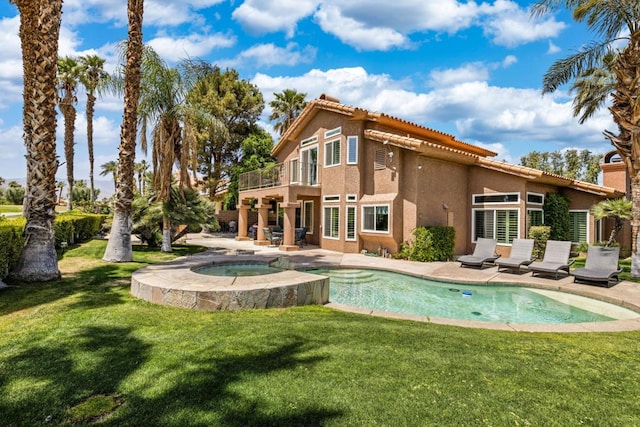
x=39 y=31
x=119 y=246
x=91 y=100
x=166 y=234
x=69 y=114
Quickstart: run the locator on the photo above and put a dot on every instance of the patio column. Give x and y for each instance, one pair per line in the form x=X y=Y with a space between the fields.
x=289 y=227
x=243 y=219
x=263 y=221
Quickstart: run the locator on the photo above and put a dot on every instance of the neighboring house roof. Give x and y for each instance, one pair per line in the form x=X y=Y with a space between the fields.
x=325 y=103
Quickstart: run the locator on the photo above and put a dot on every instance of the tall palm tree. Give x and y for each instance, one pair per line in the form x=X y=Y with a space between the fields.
x=593 y=88
x=285 y=108
x=111 y=168
x=92 y=76
x=141 y=171
x=119 y=246
x=59 y=186
x=39 y=32
x=611 y=21
x=68 y=78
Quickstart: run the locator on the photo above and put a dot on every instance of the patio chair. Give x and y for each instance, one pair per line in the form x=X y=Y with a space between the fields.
x=601 y=267
x=556 y=259
x=484 y=252
x=521 y=250
x=301 y=236
x=273 y=239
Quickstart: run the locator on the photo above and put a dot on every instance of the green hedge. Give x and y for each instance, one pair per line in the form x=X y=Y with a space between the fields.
x=429 y=244
x=69 y=227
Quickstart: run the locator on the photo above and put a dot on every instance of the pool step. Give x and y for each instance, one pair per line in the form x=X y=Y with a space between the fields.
x=350 y=276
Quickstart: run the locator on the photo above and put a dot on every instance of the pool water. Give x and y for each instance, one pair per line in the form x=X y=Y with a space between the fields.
x=399 y=293
x=238 y=269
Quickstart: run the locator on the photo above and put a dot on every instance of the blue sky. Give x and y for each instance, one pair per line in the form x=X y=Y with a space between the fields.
x=472 y=69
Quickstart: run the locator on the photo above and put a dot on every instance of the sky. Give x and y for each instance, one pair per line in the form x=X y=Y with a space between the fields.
x=470 y=69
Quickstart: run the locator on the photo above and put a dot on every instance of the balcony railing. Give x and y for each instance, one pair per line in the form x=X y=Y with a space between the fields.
x=295 y=173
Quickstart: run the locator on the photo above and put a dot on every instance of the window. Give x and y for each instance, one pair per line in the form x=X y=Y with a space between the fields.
x=535 y=199
x=351 y=223
x=307 y=216
x=352 y=150
x=331 y=222
x=352 y=197
x=375 y=218
x=332 y=153
x=309 y=166
x=309 y=141
x=499 y=224
x=479 y=199
x=535 y=217
x=380 y=159
x=294 y=171
x=579 y=229
x=332 y=198
x=332 y=132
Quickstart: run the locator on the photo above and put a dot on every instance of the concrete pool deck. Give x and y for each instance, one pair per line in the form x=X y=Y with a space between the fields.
x=169 y=276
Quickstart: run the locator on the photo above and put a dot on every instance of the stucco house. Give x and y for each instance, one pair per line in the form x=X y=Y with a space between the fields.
x=364 y=180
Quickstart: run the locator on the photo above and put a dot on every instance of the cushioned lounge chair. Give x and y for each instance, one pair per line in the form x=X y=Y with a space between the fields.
x=275 y=240
x=601 y=267
x=521 y=250
x=484 y=252
x=556 y=259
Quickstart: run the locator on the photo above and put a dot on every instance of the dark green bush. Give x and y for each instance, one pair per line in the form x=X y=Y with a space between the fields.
x=12 y=242
x=556 y=216
x=429 y=244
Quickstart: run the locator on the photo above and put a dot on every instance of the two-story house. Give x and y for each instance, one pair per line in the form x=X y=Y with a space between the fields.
x=364 y=180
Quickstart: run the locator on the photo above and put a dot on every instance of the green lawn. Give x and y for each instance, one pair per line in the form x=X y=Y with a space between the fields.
x=83 y=350
x=10 y=209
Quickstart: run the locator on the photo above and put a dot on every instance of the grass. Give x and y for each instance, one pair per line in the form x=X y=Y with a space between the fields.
x=10 y=209
x=83 y=350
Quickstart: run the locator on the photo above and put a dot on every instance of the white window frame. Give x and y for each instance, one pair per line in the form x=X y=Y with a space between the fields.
x=588 y=228
x=475 y=196
x=333 y=132
x=304 y=216
x=353 y=209
x=495 y=223
x=352 y=197
x=324 y=219
x=331 y=198
x=535 y=194
x=328 y=152
x=306 y=168
x=308 y=141
x=352 y=150
x=388 y=206
x=297 y=169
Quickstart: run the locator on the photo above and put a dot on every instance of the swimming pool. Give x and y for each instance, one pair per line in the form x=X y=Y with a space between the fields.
x=400 y=293
x=238 y=269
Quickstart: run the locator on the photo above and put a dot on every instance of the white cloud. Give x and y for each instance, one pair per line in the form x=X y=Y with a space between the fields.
x=510 y=25
x=268 y=55
x=259 y=17
x=509 y=60
x=193 y=45
x=476 y=71
x=358 y=34
x=552 y=48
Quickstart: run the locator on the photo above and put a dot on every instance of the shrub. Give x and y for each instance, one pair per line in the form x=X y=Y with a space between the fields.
x=429 y=244
x=556 y=216
x=12 y=242
x=540 y=235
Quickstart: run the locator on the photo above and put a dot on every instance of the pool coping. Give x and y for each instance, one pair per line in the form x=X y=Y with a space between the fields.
x=625 y=294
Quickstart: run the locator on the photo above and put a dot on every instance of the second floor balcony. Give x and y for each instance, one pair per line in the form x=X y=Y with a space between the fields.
x=290 y=173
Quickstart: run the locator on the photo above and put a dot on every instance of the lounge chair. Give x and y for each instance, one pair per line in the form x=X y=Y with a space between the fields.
x=484 y=252
x=273 y=239
x=556 y=259
x=521 y=250
x=301 y=236
x=601 y=267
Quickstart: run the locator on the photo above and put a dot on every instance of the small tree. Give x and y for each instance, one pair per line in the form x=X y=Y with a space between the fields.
x=556 y=216
x=15 y=193
x=618 y=209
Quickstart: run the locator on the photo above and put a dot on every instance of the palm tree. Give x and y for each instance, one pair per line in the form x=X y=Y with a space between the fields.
x=39 y=32
x=611 y=21
x=59 y=186
x=141 y=171
x=92 y=76
x=68 y=77
x=111 y=168
x=119 y=246
x=285 y=108
x=593 y=88
x=617 y=209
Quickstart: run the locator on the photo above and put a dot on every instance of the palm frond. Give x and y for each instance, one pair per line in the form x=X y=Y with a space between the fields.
x=565 y=69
